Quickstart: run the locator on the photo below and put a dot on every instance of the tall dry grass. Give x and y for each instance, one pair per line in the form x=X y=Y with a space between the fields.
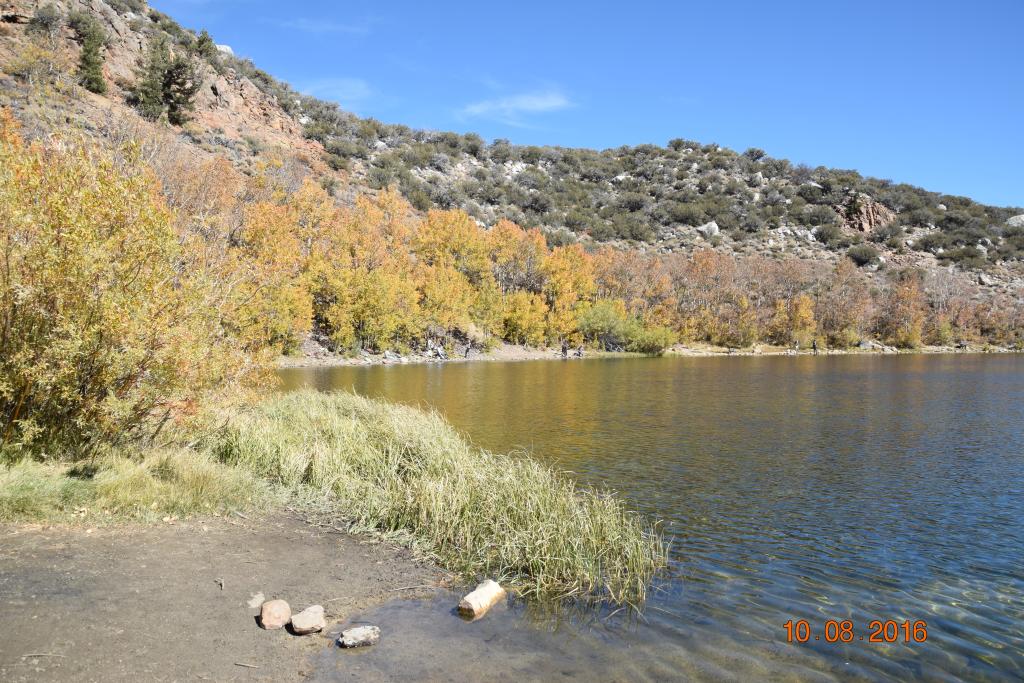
x=397 y=469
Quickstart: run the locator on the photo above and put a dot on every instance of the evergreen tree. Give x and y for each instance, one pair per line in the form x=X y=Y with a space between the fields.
x=148 y=93
x=90 y=67
x=90 y=63
x=180 y=84
x=166 y=84
x=205 y=47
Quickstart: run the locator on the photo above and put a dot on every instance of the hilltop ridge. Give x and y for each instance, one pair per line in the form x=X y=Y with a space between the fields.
x=666 y=197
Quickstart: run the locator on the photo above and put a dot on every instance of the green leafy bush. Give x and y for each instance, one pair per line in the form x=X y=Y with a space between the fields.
x=862 y=254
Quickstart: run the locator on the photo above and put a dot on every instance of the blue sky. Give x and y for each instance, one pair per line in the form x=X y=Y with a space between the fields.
x=926 y=92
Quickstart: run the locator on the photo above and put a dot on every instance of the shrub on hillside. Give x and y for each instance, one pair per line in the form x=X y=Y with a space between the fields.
x=862 y=254
x=46 y=21
x=106 y=326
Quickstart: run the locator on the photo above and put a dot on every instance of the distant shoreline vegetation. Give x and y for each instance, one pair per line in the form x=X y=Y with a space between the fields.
x=133 y=289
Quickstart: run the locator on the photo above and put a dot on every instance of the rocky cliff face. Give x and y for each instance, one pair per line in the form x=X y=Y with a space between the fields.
x=230 y=108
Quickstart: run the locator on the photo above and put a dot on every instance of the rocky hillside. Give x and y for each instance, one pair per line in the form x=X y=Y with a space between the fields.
x=665 y=199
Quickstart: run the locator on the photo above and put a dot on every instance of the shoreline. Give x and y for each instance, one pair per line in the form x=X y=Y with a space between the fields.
x=174 y=601
x=510 y=353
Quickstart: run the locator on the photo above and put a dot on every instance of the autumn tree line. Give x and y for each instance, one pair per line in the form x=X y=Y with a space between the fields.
x=138 y=277
x=380 y=276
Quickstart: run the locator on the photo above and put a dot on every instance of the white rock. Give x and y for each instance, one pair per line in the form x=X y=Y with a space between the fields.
x=225 y=50
x=484 y=597
x=709 y=229
x=1016 y=221
x=309 y=620
x=360 y=636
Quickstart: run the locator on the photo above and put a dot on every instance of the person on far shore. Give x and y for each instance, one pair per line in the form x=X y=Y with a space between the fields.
x=565 y=349
x=814 y=346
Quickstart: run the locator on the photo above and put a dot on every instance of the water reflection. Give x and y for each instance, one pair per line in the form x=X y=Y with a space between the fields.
x=792 y=488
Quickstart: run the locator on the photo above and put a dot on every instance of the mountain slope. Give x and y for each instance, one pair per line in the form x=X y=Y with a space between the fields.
x=644 y=194
x=682 y=199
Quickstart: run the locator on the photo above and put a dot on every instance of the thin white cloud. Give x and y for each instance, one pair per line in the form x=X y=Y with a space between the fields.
x=324 y=27
x=348 y=92
x=512 y=109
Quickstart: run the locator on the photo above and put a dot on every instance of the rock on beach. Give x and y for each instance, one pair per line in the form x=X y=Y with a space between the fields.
x=275 y=614
x=309 y=620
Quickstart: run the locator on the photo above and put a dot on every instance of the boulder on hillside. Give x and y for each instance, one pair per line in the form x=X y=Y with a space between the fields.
x=709 y=230
x=1016 y=221
x=860 y=212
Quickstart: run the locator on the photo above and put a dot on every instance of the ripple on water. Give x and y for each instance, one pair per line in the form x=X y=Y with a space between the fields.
x=853 y=488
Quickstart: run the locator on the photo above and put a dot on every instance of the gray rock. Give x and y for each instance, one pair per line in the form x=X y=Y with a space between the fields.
x=360 y=636
x=985 y=280
x=1016 y=221
x=309 y=620
x=709 y=230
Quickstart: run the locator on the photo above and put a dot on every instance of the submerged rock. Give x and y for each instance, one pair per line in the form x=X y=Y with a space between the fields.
x=309 y=620
x=484 y=597
x=360 y=636
x=275 y=614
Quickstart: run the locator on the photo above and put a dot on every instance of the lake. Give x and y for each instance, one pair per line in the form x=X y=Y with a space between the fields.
x=792 y=489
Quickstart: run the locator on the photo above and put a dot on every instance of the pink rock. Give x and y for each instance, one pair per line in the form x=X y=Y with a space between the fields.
x=275 y=614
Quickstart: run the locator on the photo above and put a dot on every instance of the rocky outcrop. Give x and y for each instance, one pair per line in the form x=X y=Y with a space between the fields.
x=862 y=213
x=1016 y=221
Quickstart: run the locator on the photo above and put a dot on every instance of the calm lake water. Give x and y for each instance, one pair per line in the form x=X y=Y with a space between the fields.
x=829 y=488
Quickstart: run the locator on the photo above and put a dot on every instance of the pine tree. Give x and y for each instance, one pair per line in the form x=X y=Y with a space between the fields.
x=180 y=84
x=90 y=67
x=148 y=93
x=93 y=39
x=205 y=47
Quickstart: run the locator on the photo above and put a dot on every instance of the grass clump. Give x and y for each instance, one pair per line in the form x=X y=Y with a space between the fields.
x=397 y=469
x=143 y=486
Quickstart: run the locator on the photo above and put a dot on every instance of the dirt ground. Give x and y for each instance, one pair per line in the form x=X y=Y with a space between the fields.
x=171 y=602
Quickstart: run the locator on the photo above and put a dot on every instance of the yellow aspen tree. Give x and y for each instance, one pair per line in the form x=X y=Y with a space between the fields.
x=525 y=318
x=568 y=281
